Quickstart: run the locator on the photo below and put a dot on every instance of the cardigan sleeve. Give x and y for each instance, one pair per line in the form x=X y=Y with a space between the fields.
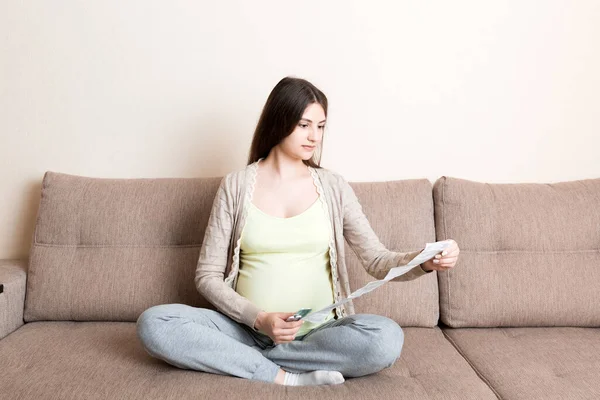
x=212 y=262
x=373 y=255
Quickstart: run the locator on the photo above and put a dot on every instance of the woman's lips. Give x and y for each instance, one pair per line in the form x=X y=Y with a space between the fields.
x=309 y=147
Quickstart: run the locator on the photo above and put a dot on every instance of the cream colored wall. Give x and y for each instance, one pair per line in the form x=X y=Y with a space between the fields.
x=494 y=91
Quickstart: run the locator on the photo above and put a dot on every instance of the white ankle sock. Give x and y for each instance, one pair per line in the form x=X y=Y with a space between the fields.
x=313 y=378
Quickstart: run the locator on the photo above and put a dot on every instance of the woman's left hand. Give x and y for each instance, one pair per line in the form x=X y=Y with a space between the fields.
x=444 y=261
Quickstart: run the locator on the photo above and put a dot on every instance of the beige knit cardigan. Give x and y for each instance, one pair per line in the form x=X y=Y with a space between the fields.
x=218 y=263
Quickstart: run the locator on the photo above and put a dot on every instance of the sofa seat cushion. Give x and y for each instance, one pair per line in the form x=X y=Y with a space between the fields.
x=534 y=363
x=104 y=360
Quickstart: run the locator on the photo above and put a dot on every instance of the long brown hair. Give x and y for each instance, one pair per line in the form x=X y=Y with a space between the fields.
x=280 y=115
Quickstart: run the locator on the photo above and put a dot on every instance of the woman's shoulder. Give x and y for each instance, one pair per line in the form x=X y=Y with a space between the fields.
x=236 y=179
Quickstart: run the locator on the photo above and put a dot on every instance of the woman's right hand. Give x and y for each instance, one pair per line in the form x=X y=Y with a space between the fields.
x=276 y=327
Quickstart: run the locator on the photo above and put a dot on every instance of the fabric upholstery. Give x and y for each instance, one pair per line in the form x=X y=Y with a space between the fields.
x=529 y=253
x=401 y=213
x=13 y=275
x=534 y=363
x=105 y=360
x=107 y=249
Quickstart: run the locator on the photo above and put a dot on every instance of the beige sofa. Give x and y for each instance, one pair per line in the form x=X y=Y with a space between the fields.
x=517 y=318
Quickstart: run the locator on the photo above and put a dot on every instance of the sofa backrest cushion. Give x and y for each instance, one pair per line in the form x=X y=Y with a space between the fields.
x=529 y=253
x=107 y=249
x=401 y=214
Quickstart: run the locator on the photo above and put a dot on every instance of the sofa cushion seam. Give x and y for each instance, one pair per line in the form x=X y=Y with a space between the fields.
x=479 y=374
x=446 y=238
x=117 y=245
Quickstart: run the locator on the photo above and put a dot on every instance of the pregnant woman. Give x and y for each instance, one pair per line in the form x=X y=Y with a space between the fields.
x=275 y=244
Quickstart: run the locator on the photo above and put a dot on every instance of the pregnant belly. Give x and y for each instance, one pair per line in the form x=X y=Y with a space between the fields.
x=286 y=289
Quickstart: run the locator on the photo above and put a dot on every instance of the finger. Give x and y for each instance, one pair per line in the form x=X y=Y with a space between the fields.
x=283 y=318
x=285 y=339
x=289 y=325
x=443 y=263
x=291 y=331
x=447 y=260
x=293 y=324
x=449 y=252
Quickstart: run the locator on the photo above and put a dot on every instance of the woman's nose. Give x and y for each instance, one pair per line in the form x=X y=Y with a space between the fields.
x=315 y=135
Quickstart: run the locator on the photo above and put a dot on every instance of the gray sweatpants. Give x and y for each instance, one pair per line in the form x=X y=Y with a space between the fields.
x=206 y=340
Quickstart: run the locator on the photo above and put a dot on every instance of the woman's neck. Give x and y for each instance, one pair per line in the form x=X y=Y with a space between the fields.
x=282 y=167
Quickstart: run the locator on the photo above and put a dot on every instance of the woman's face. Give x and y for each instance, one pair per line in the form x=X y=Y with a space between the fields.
x=307 y=135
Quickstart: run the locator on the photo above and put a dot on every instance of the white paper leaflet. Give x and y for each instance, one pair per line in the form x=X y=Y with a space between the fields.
x=431 y=249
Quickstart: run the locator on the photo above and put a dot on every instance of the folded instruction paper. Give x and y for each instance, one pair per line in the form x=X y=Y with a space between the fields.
x=431 y=249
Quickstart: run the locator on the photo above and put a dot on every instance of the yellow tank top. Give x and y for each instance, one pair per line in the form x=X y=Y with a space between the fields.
x=284 y=262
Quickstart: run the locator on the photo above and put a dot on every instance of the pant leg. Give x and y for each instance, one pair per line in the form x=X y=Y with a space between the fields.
x=356 y=345
x=204 y=340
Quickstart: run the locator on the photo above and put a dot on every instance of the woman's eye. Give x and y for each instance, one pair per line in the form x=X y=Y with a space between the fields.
x=305 y=126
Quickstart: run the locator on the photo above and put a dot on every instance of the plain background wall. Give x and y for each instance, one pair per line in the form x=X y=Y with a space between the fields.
x=496 y=91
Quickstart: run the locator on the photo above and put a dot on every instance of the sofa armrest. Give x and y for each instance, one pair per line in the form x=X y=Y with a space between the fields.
x=13 y=275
